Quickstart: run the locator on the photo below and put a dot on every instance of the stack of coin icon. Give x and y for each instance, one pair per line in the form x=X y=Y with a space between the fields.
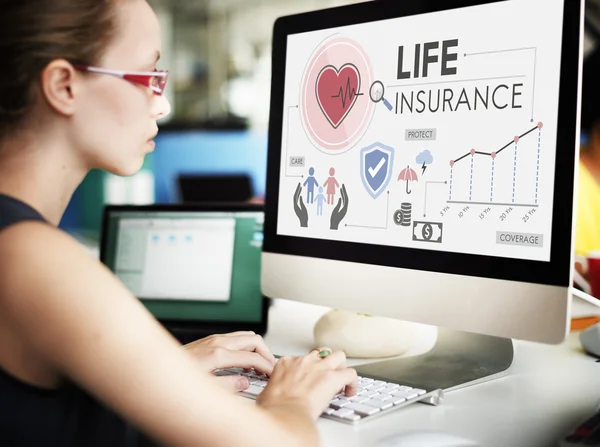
x=406 y=209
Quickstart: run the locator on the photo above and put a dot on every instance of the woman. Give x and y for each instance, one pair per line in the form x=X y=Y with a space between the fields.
x=78 y=353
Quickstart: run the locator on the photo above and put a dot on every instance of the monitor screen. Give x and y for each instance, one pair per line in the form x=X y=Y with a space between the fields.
x=189 y=265
x=433 y=131
x=181 y=152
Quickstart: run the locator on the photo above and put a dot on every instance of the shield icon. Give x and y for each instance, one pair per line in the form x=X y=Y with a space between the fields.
x=376 y=165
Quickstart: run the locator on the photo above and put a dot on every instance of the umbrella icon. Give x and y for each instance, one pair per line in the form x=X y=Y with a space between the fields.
x=409 y=175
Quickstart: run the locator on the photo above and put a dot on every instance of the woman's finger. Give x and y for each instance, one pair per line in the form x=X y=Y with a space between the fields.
x=236 y=333
x=347 y=378
x=225 y=358
x=245 y=342
x=335 y=360
x=234 y=383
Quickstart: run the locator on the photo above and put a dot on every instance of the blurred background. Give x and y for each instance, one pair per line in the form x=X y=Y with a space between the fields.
x=218 y=53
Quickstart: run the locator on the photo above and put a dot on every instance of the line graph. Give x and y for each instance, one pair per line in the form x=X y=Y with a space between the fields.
x=493 y=154
x=347 y=94
x=505 y=185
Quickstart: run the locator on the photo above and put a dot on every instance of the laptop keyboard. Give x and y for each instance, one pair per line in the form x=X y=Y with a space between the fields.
x=373 y=397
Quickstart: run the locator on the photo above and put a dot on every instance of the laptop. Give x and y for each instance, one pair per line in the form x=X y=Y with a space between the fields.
x=196 y=267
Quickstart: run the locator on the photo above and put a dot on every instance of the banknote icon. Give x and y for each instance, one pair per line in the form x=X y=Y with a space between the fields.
x=428 y=232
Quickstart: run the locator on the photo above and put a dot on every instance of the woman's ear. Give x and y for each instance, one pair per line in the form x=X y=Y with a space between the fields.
x=58 y=86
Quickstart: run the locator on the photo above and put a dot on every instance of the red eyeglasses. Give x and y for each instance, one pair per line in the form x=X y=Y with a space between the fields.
x=154 y=80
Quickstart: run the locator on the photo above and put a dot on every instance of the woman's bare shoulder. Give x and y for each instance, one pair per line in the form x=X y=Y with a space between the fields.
x=32 y=234
x=42 y=267
x=32 y=250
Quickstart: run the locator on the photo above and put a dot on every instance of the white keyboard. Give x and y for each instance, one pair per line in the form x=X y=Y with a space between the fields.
x=373 y=397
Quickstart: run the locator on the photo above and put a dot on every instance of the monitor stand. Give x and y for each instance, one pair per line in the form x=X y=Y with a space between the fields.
x=457 y=359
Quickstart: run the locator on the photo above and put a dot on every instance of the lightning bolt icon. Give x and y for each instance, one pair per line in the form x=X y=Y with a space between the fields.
x=423 y=167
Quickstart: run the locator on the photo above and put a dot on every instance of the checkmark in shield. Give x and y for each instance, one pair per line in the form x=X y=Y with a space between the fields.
x=376 y=165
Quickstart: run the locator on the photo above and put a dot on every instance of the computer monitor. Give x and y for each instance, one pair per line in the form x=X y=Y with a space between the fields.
x=196 y=267
x=421 y=162
x=183 y=151
x=202 y=188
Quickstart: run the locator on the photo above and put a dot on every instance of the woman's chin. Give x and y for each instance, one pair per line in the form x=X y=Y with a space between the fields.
x=126 y=170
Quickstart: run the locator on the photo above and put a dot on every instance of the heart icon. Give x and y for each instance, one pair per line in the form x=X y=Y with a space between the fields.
x=337 y=91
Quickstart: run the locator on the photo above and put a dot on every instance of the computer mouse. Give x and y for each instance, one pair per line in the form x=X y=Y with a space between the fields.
x=424 y=438
x=590 y=340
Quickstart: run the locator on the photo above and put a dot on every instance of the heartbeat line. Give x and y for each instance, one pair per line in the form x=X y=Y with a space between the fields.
x=347 y=94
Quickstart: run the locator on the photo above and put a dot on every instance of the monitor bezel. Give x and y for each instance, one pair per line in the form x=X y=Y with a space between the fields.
x=555 y=272
x=200 y=325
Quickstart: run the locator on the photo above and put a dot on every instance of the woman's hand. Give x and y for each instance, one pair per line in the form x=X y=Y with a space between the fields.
x=310 y=381
x=235 y=350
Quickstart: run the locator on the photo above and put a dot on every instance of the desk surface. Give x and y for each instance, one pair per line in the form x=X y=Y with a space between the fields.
x=548 y=391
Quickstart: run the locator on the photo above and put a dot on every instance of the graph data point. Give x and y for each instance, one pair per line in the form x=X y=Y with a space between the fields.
x=516 y=139
x=451 y=163
x=472 y=151
x=540 y=125
x=493 y=154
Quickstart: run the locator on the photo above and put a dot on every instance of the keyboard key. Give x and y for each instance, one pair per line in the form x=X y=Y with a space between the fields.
x=378 y=404
x=225 y=372
x=371 y=394
x=409 y=394
x=361 y=399
x=398 y=400
x=361 y=409
x=377 y=388
x=328 y=411
x=352 y=417
x=339 y=403
x=254 y=390
x=342 y=412
x=403 y=388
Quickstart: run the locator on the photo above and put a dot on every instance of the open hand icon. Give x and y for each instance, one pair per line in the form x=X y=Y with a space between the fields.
x=339 y=212
x=299 y=207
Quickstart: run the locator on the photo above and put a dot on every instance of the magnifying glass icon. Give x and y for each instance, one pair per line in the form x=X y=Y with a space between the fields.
x=376 y=93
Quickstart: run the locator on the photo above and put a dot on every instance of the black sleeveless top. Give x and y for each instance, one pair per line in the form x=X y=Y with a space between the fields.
x=66 y=416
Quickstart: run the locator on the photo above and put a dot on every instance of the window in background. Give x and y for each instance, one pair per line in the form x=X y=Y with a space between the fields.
x=218 y=52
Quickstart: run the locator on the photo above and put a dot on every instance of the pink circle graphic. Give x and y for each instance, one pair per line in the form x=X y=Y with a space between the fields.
x=336 y=107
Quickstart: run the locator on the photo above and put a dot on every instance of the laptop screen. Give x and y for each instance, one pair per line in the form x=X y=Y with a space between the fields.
x=188 y=265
